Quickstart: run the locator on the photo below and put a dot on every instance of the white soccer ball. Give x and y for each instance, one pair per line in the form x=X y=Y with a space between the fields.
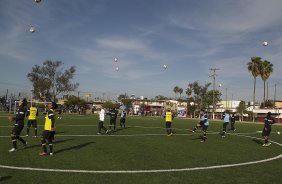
x=165 y=66
x=219 y=85
x=37 y=1
x=32 y=29
x=278 y=133
x=116 y=59
x=265 y=43
x=117 y=68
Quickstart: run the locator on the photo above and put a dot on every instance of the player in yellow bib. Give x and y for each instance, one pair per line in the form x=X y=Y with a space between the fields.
x=168 y=121
x=31 y=115
x=49 y=130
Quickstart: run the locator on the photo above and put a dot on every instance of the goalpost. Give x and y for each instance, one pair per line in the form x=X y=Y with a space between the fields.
x=42 y=106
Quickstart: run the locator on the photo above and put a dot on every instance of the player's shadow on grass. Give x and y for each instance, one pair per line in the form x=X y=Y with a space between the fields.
x=54 y=142
x=77 y=147
x=4 y=178
x=257 y=141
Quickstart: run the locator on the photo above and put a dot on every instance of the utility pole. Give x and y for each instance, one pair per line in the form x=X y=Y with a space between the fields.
x=274 y=96
x=226 y=99
x=267 y=91
x=213 y=75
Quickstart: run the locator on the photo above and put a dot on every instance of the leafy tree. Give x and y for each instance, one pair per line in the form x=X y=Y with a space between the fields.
x=127 y=103
x=3 y=100
x=254 y=68
x=50 y=80
x=209 y=97
x=122 y=96
x=267 y=104
x=199 y=94
x=161 y=97
x=110 y=105
x=175 y=90
x=265 y=68
x=241 y=109
x=180 y=91
x=189 y=90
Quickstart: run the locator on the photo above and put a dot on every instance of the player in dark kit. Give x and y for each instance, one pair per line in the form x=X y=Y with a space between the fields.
x=122 y=119
x=31 y=115
x=204 y=123
x=49 y=130
x=113 y=118
x=19 y=125
x=268 y=121
x=233 y=120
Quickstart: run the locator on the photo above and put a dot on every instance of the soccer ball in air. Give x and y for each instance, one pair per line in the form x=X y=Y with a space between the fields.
x=165 y=66
x=265 y=43
x=117 y=68
x=32 y=29
x=219 y=85
x=116 y=59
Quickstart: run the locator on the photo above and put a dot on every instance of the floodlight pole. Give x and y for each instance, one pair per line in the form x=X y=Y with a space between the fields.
x=213 y=75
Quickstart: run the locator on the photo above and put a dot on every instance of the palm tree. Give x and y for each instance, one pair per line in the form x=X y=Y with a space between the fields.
x=175 y=90
x=189 y=90
x=180 y=91
x=254 y=67
x=266 y=68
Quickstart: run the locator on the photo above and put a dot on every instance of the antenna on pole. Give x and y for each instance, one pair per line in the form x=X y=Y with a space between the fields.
x=213 y=75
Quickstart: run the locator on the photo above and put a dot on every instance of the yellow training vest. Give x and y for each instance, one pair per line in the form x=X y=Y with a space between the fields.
x=168 y=117
x=48 y=121
x=32 y=113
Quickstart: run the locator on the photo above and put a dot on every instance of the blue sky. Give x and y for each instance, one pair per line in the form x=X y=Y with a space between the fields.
x=189 y=36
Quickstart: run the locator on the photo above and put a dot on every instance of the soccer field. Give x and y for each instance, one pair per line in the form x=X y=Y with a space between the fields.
x=142 y=153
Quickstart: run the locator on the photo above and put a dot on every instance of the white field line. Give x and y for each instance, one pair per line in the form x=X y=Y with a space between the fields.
x=150 y=171
x=121 y=135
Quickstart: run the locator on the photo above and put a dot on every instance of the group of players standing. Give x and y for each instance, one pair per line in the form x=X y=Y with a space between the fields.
x=113 y=119
x=31 y=113
x=204 y=124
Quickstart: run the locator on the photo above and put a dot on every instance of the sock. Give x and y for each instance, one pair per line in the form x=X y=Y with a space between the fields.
x=21 y=139
x=44 y=146
x=205 y=136
x=35 y=131
x=51 y=147
x=14 y=141
x=27 y=131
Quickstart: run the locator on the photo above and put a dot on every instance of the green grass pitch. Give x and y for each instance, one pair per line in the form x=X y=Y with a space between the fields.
x=142 y=146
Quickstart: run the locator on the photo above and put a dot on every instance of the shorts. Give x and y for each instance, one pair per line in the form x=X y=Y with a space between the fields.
x=205 y=127
x=32 y=123
x=48 y=135
x=122 y=120
x=167 y=124
x=266 y=132
x=17 y=130
x=113 y=121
